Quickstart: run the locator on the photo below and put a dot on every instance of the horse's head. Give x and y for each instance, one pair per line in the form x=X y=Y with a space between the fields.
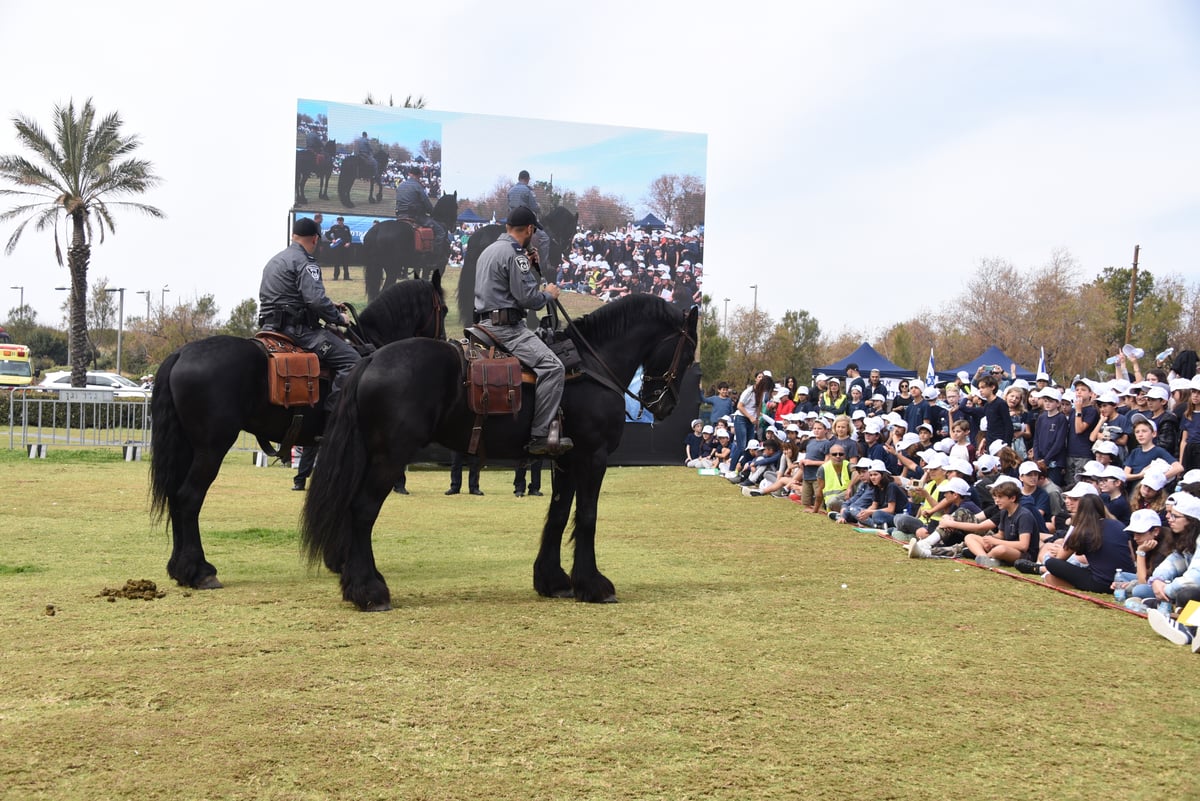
x=413 y=308
x=560 y=224
x=663 y=369
x=330 y=148
x=445 y=210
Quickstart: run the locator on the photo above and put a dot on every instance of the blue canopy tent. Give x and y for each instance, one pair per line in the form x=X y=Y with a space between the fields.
x=650 y=222
x=867 y=359
x=469 y=216
x=992 y=355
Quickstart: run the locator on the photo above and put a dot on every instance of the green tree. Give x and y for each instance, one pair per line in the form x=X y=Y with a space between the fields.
x=243 y=320
x=74 y=176
x=791 y=349
x=1156 y=311
x=714 y=348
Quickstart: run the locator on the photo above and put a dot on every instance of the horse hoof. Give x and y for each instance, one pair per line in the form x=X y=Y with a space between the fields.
x=383 y=607
x=209 y=583
x=611 y=599
x=563 y=593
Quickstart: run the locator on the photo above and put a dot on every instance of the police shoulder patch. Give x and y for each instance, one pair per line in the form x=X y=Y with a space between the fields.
x=314 y=271
x=523 y=262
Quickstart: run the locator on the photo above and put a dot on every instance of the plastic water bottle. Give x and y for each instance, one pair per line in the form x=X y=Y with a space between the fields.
x=1112 y=360
x=1119 y=592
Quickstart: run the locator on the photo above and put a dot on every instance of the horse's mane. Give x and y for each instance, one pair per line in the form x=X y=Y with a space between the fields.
x=398 y=310
x=616 y=318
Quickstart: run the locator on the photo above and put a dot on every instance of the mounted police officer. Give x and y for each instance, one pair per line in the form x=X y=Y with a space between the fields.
x=413 y=205
x=520 y=194
x=292 y=300
x=506 y=286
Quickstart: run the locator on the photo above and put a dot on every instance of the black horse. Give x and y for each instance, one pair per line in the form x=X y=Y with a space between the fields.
x=355 y=167
x=388 y=252
x=559 y=223
x=209 y=390
x=411 y=393
x=309 y=164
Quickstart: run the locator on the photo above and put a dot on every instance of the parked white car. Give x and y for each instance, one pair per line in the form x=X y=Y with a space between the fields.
x=121 y=386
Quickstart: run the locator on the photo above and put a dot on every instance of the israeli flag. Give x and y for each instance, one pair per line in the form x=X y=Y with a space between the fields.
x=930 y=372
x=1041 y=368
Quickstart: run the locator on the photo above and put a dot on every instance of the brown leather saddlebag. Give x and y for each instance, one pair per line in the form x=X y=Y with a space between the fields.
x=294 y=379
x=423 y=240
x=495 y=386
x=293 y=375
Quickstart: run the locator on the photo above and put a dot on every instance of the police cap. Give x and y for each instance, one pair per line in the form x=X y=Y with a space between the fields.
x=305 y=227
x=522 y=216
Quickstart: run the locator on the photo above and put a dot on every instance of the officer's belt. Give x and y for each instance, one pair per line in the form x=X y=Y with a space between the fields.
x=508 y=316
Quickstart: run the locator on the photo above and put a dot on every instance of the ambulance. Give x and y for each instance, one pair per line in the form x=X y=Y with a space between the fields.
x=16 y=368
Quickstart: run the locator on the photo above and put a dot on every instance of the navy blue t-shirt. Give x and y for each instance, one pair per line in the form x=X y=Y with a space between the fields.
x=1112 y=554
x=1079 y=446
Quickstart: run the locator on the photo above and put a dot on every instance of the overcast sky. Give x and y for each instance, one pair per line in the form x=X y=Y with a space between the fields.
x=862 y=157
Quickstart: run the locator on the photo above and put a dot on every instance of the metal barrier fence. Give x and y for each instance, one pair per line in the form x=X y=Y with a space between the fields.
x=39 y=418
x=88 y=417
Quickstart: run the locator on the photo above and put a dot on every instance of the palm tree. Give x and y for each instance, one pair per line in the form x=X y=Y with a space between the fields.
x=73 y=177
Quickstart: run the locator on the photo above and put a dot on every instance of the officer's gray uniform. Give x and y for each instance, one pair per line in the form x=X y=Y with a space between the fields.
x=292 y=299
x=362 y=149
x=412 y=201
x=521 y=195
x=506 y=280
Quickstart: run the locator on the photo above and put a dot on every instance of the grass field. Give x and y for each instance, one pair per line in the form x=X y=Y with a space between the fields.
x=757 y=653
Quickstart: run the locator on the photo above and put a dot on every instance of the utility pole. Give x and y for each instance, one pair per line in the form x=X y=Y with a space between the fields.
x=1132 y=288
x=120 y=321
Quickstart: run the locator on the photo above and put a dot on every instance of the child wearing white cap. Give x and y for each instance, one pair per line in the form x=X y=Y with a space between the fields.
x=1176 y=581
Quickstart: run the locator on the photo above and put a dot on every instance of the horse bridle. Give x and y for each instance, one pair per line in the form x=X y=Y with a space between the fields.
x=671 y=373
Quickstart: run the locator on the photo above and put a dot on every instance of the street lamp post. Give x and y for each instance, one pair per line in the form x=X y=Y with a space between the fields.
x=120 y=321
x=146 y=292
x=725 y=324
x=162 y=302
x=21 y=307
x=755 y=288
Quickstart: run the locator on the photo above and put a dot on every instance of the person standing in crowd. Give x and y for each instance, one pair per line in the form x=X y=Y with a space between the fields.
x=750 y=404
x=993 y=410
x=292 y=300
x=534 y=469
x=340 y=237
x=722 y=404
x=456 y=469
x=1083 y=418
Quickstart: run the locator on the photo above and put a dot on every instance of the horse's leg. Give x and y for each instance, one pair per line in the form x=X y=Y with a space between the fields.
x=362 y=583
x=549 y=579
x=187 y=564
x=301 y=180
x=590 y=584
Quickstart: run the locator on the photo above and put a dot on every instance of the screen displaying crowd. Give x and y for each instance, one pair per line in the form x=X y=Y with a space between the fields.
x=1092 y=487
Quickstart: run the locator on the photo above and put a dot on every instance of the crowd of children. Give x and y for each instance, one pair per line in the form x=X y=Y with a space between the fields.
x=1093 y=487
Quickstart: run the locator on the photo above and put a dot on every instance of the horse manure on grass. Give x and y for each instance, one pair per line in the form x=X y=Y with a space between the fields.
x=134 y=589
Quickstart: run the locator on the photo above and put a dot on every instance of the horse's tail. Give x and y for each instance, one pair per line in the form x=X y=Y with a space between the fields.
x=170 y=450
x=326 y=523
